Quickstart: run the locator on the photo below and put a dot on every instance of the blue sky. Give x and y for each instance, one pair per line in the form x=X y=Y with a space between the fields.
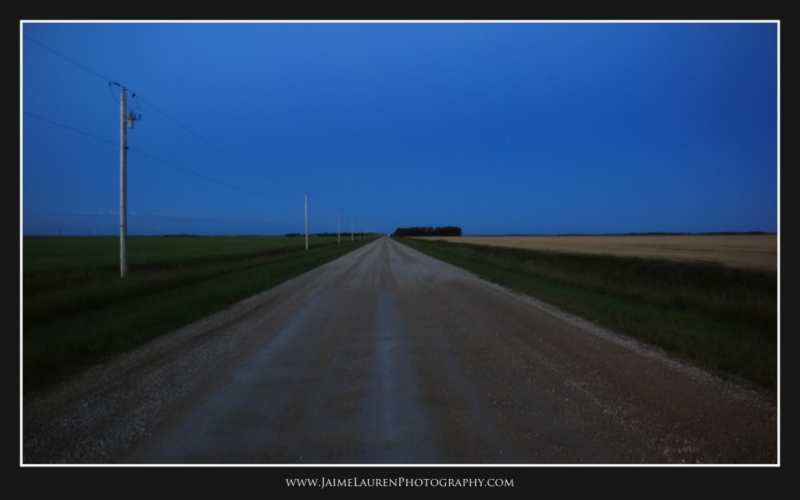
x=495 y=127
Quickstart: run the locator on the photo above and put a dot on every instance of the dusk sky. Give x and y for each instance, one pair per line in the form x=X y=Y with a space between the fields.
x=495 y=127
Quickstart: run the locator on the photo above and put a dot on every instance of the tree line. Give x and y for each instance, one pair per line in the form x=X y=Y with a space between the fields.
x=428 y=231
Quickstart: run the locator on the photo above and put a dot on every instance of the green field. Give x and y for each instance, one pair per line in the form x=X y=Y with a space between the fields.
x=77 y=311
x=722 y=318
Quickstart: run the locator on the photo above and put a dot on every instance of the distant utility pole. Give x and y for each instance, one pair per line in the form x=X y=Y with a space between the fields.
x=127 y=120
x=339 y=227
x=306 y=221
x=351 y=230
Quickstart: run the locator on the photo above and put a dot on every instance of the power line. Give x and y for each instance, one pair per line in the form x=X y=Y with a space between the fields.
x=84 y=67
x=219 y=148
x=206 y=177
x=68 y=59
x=116 y=143
x=112 y=82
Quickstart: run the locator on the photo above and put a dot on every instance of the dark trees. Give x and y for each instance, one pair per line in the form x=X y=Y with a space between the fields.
x=428 y=231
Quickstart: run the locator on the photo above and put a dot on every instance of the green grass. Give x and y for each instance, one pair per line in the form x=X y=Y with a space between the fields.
x=721 y=318
x=77 y=311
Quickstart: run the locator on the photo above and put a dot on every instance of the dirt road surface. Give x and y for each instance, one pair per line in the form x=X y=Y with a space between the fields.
x=387 y=356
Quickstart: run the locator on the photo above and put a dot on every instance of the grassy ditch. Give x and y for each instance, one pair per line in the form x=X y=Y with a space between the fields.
x=721 y=318
x=77 y=311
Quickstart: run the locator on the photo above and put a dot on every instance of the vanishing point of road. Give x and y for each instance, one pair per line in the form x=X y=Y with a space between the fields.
x=388 y=356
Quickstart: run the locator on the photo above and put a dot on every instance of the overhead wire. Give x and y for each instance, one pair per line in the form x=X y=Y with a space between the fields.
x=205 y=177
x=229 y=155
x=137 y=98
x=71 y=128
x=82 y=66
x=147 y=155
x=187 y=129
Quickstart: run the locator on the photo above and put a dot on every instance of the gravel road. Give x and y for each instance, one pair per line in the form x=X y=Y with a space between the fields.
x=387 y=356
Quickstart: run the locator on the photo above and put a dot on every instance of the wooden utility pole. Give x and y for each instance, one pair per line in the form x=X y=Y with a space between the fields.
x=306 y=221
x=126 y=120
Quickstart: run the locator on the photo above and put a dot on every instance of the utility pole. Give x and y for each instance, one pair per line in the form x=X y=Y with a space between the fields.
x=127 y=120
x=339 y=228
x=351 y=230
x=306 y=221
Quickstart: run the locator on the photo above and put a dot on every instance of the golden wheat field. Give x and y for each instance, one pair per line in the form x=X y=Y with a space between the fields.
x=754 y=251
